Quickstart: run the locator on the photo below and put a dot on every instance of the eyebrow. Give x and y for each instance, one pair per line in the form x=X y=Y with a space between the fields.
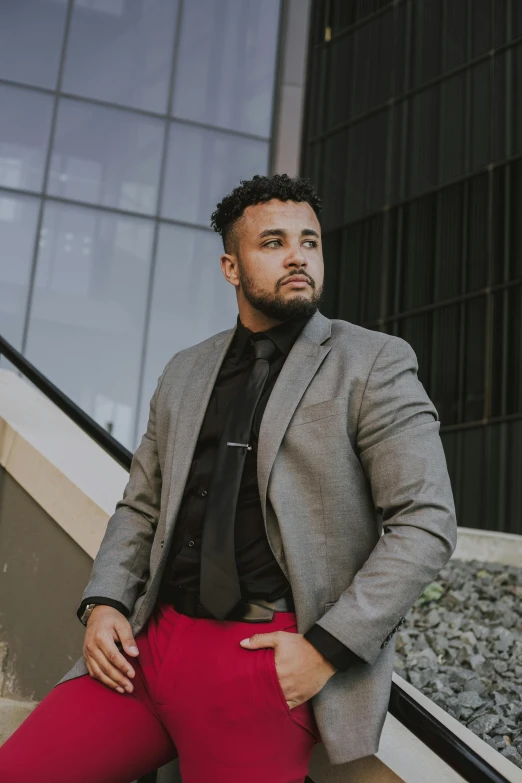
x=280 y=232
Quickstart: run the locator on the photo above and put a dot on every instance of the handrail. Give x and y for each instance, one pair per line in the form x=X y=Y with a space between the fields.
x=91 y=427
x=440 y=739
x=422 y=724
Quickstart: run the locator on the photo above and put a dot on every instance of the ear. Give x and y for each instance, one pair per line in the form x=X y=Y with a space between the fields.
x=229 y=267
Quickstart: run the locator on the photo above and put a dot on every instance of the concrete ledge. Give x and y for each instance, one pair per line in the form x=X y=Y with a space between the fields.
x=12 y=714
x=489 y=754
x=74 y=480
x=488 y=545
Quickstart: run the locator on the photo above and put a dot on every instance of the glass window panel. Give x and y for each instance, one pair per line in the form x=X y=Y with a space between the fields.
x=18 y=218
x=191 y=300
x=203 y=166
x=31 y=33
x=106 y=156
x=226 y=64
x=121 y=51
x=87 y=320
x=25 y=121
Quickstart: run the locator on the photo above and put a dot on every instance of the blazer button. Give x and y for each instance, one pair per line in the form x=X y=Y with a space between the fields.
x=161 y=544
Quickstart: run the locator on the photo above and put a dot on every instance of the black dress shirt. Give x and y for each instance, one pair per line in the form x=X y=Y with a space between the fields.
x=259 y=573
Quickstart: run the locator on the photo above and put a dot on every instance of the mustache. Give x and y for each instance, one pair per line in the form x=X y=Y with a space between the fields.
x=294 y=274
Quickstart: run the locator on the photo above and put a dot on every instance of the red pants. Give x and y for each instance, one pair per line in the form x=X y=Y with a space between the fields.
x=197 y=694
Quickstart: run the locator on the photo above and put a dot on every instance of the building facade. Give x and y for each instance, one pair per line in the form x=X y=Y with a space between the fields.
x=122 y=124
x=413 y=137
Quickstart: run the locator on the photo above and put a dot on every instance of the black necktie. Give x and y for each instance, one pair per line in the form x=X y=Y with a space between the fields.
x=219 y=582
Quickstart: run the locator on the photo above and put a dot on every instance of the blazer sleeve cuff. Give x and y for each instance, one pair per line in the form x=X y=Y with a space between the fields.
x=331 y=648
x=101 y=600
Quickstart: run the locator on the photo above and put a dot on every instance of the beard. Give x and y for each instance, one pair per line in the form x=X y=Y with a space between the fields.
x=274 y=305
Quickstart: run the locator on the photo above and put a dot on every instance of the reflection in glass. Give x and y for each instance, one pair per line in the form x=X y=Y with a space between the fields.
x=191 y=300
x=87 y=319
x=203 y=166
x=121 y=51
x=106 y=156
x=226 y=64
x=24 y=136
x=18 y=216
x=31 y=33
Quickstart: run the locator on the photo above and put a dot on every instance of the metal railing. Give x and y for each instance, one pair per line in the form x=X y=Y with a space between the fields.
x=422 y=724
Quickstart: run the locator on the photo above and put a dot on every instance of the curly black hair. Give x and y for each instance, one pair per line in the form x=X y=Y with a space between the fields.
x=256 y=191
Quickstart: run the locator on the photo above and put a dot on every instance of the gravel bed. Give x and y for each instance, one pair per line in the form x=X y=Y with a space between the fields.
x=461 y=645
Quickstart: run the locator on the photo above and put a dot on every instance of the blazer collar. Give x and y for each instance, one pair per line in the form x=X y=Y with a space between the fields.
x=302 y=363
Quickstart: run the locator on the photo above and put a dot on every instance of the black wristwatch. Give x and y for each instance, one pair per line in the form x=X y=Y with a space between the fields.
x=87 y=613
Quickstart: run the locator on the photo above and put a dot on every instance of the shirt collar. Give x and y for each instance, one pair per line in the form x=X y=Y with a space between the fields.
x=283 y=335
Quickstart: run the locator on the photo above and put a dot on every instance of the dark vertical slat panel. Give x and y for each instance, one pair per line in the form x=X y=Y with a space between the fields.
x=427 y=37
x=399 y=255
x=444 y=359
x=477 y=234
x=475 y=325
x=512 y=483
x=418 y=253
x=449 y=233
x=473 y=478
x=481 y=37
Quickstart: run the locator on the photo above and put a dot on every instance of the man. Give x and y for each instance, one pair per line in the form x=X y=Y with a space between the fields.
x=286 y=506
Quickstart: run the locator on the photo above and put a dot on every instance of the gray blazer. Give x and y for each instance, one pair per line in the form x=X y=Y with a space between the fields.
x=355 y=495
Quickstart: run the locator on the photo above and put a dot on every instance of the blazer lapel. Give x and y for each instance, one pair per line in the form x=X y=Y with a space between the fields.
x=193 y=405
x=301 y=365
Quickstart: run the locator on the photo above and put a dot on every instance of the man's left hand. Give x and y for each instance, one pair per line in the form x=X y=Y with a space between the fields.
x=301 y=669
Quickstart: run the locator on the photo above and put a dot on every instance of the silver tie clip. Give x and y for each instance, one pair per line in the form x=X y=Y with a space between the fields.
x=245 y=445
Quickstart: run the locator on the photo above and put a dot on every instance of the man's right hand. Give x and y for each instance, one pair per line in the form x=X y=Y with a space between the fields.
x=105 y=663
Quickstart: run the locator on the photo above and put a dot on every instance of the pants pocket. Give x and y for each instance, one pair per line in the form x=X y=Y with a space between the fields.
x=302 y=715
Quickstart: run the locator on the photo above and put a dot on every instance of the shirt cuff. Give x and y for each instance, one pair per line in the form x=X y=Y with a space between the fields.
x=331 y=648
x=100 y=600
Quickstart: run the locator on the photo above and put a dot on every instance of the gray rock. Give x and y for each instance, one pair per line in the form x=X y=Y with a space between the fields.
x=470 y=699
x=469 y=638
x=466 y=653
x=484 y=724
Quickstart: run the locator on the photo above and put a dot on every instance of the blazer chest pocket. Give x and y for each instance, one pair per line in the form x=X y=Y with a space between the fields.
x=319 y=410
